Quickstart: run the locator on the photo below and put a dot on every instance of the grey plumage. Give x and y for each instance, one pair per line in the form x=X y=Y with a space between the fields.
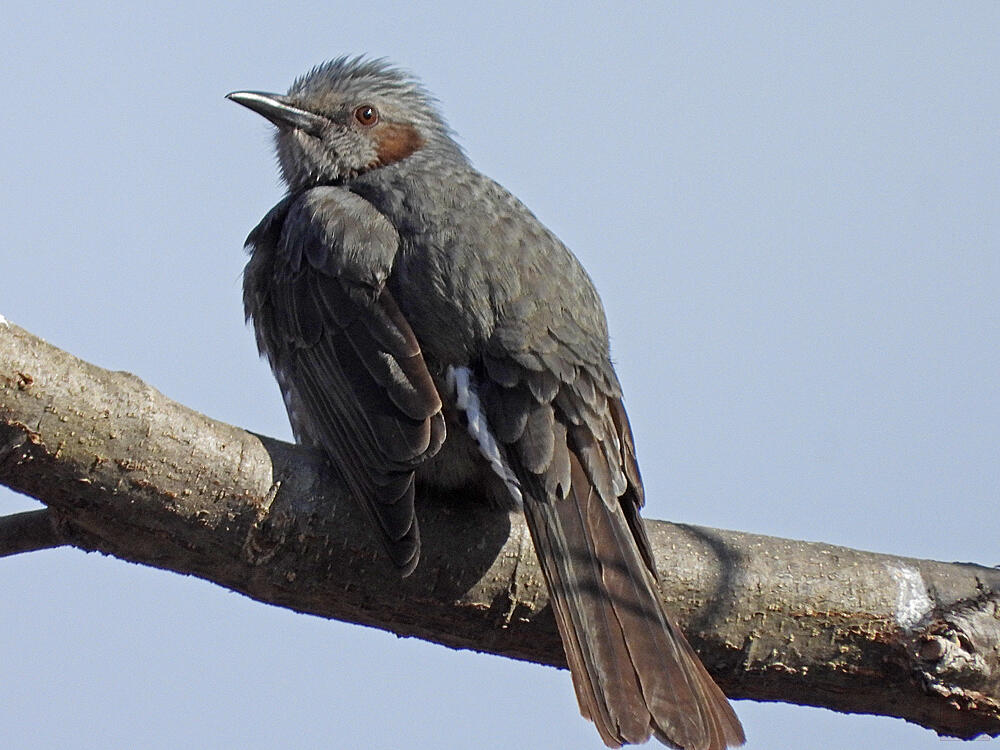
x=426 y=328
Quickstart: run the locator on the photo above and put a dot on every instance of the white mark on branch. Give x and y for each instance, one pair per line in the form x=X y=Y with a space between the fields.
x=912 y=602
x=4 y=323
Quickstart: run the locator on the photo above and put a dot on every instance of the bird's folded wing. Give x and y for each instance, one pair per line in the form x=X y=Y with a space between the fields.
x=355 y=379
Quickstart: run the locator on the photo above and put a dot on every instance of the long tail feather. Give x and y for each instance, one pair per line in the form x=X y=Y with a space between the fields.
x=635 y=674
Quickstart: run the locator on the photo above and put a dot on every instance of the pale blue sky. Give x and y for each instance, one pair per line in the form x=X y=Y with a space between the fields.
x=791 y=215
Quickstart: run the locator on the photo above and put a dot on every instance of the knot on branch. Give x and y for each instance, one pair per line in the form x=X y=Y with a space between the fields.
x=267 y=532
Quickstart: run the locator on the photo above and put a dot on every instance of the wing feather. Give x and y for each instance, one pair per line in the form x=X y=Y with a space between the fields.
x=357 y=383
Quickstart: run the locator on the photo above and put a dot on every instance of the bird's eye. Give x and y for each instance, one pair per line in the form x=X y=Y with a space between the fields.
x=366 y=114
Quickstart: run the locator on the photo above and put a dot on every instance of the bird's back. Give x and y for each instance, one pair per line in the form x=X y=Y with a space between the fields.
x=475 y=264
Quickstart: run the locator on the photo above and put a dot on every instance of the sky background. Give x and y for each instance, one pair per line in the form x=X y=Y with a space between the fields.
x=791 y=214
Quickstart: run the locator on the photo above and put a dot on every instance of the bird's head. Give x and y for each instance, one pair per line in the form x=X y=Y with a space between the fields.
x=346 y=117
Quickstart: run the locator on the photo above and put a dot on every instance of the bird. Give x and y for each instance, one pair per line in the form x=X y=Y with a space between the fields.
x=428 y=332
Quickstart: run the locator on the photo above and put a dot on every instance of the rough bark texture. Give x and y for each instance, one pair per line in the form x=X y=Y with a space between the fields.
x=127 y=472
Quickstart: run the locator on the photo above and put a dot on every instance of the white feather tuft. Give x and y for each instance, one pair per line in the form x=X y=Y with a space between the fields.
x=459 y=381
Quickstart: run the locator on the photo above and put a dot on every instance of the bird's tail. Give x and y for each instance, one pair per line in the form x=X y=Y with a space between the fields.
x=634 y=672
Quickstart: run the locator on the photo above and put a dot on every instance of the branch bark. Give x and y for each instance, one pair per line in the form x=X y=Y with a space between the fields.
x=127 y=472
x=28 y=532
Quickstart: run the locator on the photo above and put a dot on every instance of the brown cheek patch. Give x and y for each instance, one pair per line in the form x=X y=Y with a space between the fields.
x=396 y=141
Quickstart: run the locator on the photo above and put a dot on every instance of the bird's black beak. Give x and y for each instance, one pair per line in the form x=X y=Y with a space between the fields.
x=279 y=110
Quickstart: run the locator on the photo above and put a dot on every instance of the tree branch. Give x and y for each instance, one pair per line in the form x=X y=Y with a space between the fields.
x=29 y=531
x=130 y=473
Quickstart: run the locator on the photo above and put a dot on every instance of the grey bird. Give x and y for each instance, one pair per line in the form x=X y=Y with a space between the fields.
x=427 y=330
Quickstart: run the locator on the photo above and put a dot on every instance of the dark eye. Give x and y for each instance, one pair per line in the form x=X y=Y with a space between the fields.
x=366 y=114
